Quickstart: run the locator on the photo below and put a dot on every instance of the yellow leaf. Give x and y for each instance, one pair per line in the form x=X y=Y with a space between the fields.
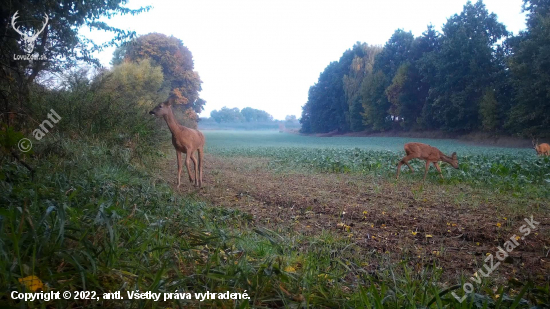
x=290 y=269
x=32 y=283
x=498 y=224
x=429 y=236
x=414 y=233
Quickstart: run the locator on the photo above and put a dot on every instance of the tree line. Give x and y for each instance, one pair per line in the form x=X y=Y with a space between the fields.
x=247 y=114
x=474 y=75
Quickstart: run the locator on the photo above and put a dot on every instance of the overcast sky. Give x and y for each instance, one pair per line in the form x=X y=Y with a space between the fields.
x=266 y=54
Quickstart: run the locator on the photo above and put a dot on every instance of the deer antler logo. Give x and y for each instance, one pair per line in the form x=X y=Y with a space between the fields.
x=28 y=41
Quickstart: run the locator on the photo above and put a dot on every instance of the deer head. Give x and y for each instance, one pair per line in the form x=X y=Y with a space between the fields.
x=28 y=41
x=454 y=160
x=163 y=108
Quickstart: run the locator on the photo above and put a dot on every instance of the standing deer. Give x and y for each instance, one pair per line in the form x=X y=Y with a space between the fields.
x=541 y=149
x=427 y=153
x=184 y=139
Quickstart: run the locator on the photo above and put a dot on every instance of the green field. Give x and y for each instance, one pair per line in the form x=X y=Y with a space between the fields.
x=295 y=221
x=517 y=170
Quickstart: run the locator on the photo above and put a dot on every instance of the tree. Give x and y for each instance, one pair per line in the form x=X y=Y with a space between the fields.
x=325 y=100
x=291 y=119
x=426 y=50
x=375 y=99
x=488 y=110
x=227 y=115
x=530 y=68
x=360 y=67
x=409 y=88
x=255 y=115
x=328 y=107
x=140 y=83
x=119 y=54
x=177 y=66
x=59 y=42
x=464 y=67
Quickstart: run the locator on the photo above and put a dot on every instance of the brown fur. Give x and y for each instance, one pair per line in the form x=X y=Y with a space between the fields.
x=541 y=149
x=185 y=140
x=427 y=153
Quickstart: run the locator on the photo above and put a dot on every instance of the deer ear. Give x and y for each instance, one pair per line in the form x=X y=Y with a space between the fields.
x=171 y=101
x=454 y=155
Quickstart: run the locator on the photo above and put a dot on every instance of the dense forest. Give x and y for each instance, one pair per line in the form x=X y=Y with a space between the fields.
x=472 y=76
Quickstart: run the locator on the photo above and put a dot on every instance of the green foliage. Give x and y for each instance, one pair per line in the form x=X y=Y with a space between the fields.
x=255 y=115
x=177 y=66
x=105 y=224
x=326 y=107
x=530 y=65
x=502 y=170
x=488 y=111
x=60 y=43
x=140 y=83
x=226 y=114
x=360 y=67
x=440 y=81
x=9 y=139
x=336 y=93
x=102 y=112
x=465 y=66
x=375 y=102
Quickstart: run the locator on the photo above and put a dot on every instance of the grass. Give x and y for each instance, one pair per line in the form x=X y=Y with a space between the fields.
x=95 y=218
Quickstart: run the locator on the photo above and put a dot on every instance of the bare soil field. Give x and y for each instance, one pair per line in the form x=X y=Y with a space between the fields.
x=454 y=227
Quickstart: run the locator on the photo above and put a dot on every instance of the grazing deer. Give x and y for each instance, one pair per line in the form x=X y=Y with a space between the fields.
x=541 y=149
x=427 y=153
x=184 y=139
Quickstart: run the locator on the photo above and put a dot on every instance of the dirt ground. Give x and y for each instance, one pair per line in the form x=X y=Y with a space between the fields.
x=454 y=226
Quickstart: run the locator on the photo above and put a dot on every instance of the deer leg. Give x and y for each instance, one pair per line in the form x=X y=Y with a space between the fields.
x=410 y=167
x=201 y=155
x=399 y=168
x=426 y=172
x=438 y=169
x=405 y=160
x=178 y=156
x=187 y=161
x=196 y=168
